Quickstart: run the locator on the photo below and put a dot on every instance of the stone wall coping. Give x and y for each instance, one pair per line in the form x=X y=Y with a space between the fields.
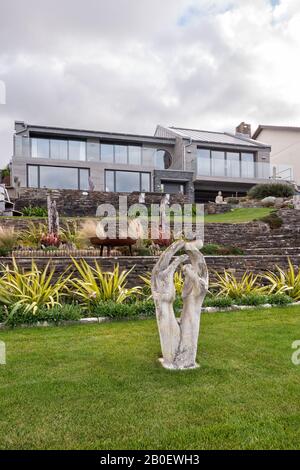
x=138 y=258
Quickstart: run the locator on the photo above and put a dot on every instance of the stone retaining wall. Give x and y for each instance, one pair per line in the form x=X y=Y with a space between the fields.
x=71 y=203
x=252 y=237
x=142 y=265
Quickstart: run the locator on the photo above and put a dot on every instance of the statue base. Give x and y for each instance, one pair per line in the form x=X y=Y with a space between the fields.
x=169 y=366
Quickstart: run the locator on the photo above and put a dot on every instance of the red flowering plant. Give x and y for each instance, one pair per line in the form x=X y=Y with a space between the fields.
x=50 y=240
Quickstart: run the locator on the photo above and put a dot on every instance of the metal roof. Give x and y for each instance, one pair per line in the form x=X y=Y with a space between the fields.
x=215 y=137
x=33 y=128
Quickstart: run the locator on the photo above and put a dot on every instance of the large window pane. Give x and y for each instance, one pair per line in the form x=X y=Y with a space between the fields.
x=40 y=148
x=58 y=177
x=107 y=153
x=162 y=160
x=203 y=162
x=218 y=163
x=77 y=150
x=145 y=180
x=93 y=151
x=233 y=164
x=110 y=181
x=121 y=154
x=32 y=176
x=84 y=179
x=134 y=155
x=59 y=149
x=248 y=170
x=127 y=182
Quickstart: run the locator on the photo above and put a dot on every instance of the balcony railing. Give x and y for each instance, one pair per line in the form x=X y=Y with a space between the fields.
x=247 y=170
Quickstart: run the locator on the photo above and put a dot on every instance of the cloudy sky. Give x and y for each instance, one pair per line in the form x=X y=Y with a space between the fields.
x=128 y=65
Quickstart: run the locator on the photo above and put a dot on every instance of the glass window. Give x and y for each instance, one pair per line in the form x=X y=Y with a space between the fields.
x=32 y=178
x=233 y=164
x=59 y=149
x=135 y=155
x=84 y=179
x=203 y=162
x=110 y=181
x=248 y=169
x=218 y=163
x=145 y=183
x=93 y=151
x=58 y=177
x=127 y=182
x=107 y=153
x=162 y=160
x=40 y=148
x=77 y=150
x=121 y=154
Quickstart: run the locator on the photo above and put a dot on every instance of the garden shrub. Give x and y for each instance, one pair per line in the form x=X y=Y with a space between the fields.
x=232 y=200
x=273 y=220
x=252 y=299
x=284 y=282
x=3 y=314
x=212 y=249
x=31 y=290
x=93 y=285
x=32 y=235
x=34 y=211
x=279 y=299
x=123 y=310
x=8 y=241
x=57 y=314
x=219 y=302
x=227 y=284
x=260 y=191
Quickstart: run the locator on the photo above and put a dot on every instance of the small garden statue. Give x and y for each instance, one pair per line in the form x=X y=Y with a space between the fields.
x=220 y=199
x=179 y=337
x=91 y=184
x=164 y=203
x=142 y=198
x=53 y=218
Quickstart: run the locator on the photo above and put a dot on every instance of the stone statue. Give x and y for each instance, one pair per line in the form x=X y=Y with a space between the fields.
x=91 y=184
x=53 y=217
x=179 y=337
x=164 y=203
x=142 y=198
x=220 y=199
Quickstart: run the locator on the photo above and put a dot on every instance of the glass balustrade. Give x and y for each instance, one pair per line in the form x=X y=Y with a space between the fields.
x=242 y=168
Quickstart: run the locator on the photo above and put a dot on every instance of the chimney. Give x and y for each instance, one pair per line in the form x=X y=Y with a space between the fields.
x=20 y=126
x=244 y=130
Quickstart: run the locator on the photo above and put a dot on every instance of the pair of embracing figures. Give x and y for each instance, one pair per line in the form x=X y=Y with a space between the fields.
x=179 y=336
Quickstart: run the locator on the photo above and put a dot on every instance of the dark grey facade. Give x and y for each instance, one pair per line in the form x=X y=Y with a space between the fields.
x=196 y=163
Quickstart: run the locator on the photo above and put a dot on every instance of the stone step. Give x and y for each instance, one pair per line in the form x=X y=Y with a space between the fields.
x=289 y=251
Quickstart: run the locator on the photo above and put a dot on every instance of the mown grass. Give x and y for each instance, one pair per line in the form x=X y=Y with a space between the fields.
x=239 y=216
x=101 y=387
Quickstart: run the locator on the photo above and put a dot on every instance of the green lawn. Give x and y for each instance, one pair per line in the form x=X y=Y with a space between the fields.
x=239 y=216
x=101 y=387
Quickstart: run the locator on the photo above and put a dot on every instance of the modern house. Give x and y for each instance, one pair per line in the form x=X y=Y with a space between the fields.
x=285 y=143
x=197 y=163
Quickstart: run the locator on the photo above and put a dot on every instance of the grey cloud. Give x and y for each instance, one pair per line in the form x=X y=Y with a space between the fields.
x=127 y=65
